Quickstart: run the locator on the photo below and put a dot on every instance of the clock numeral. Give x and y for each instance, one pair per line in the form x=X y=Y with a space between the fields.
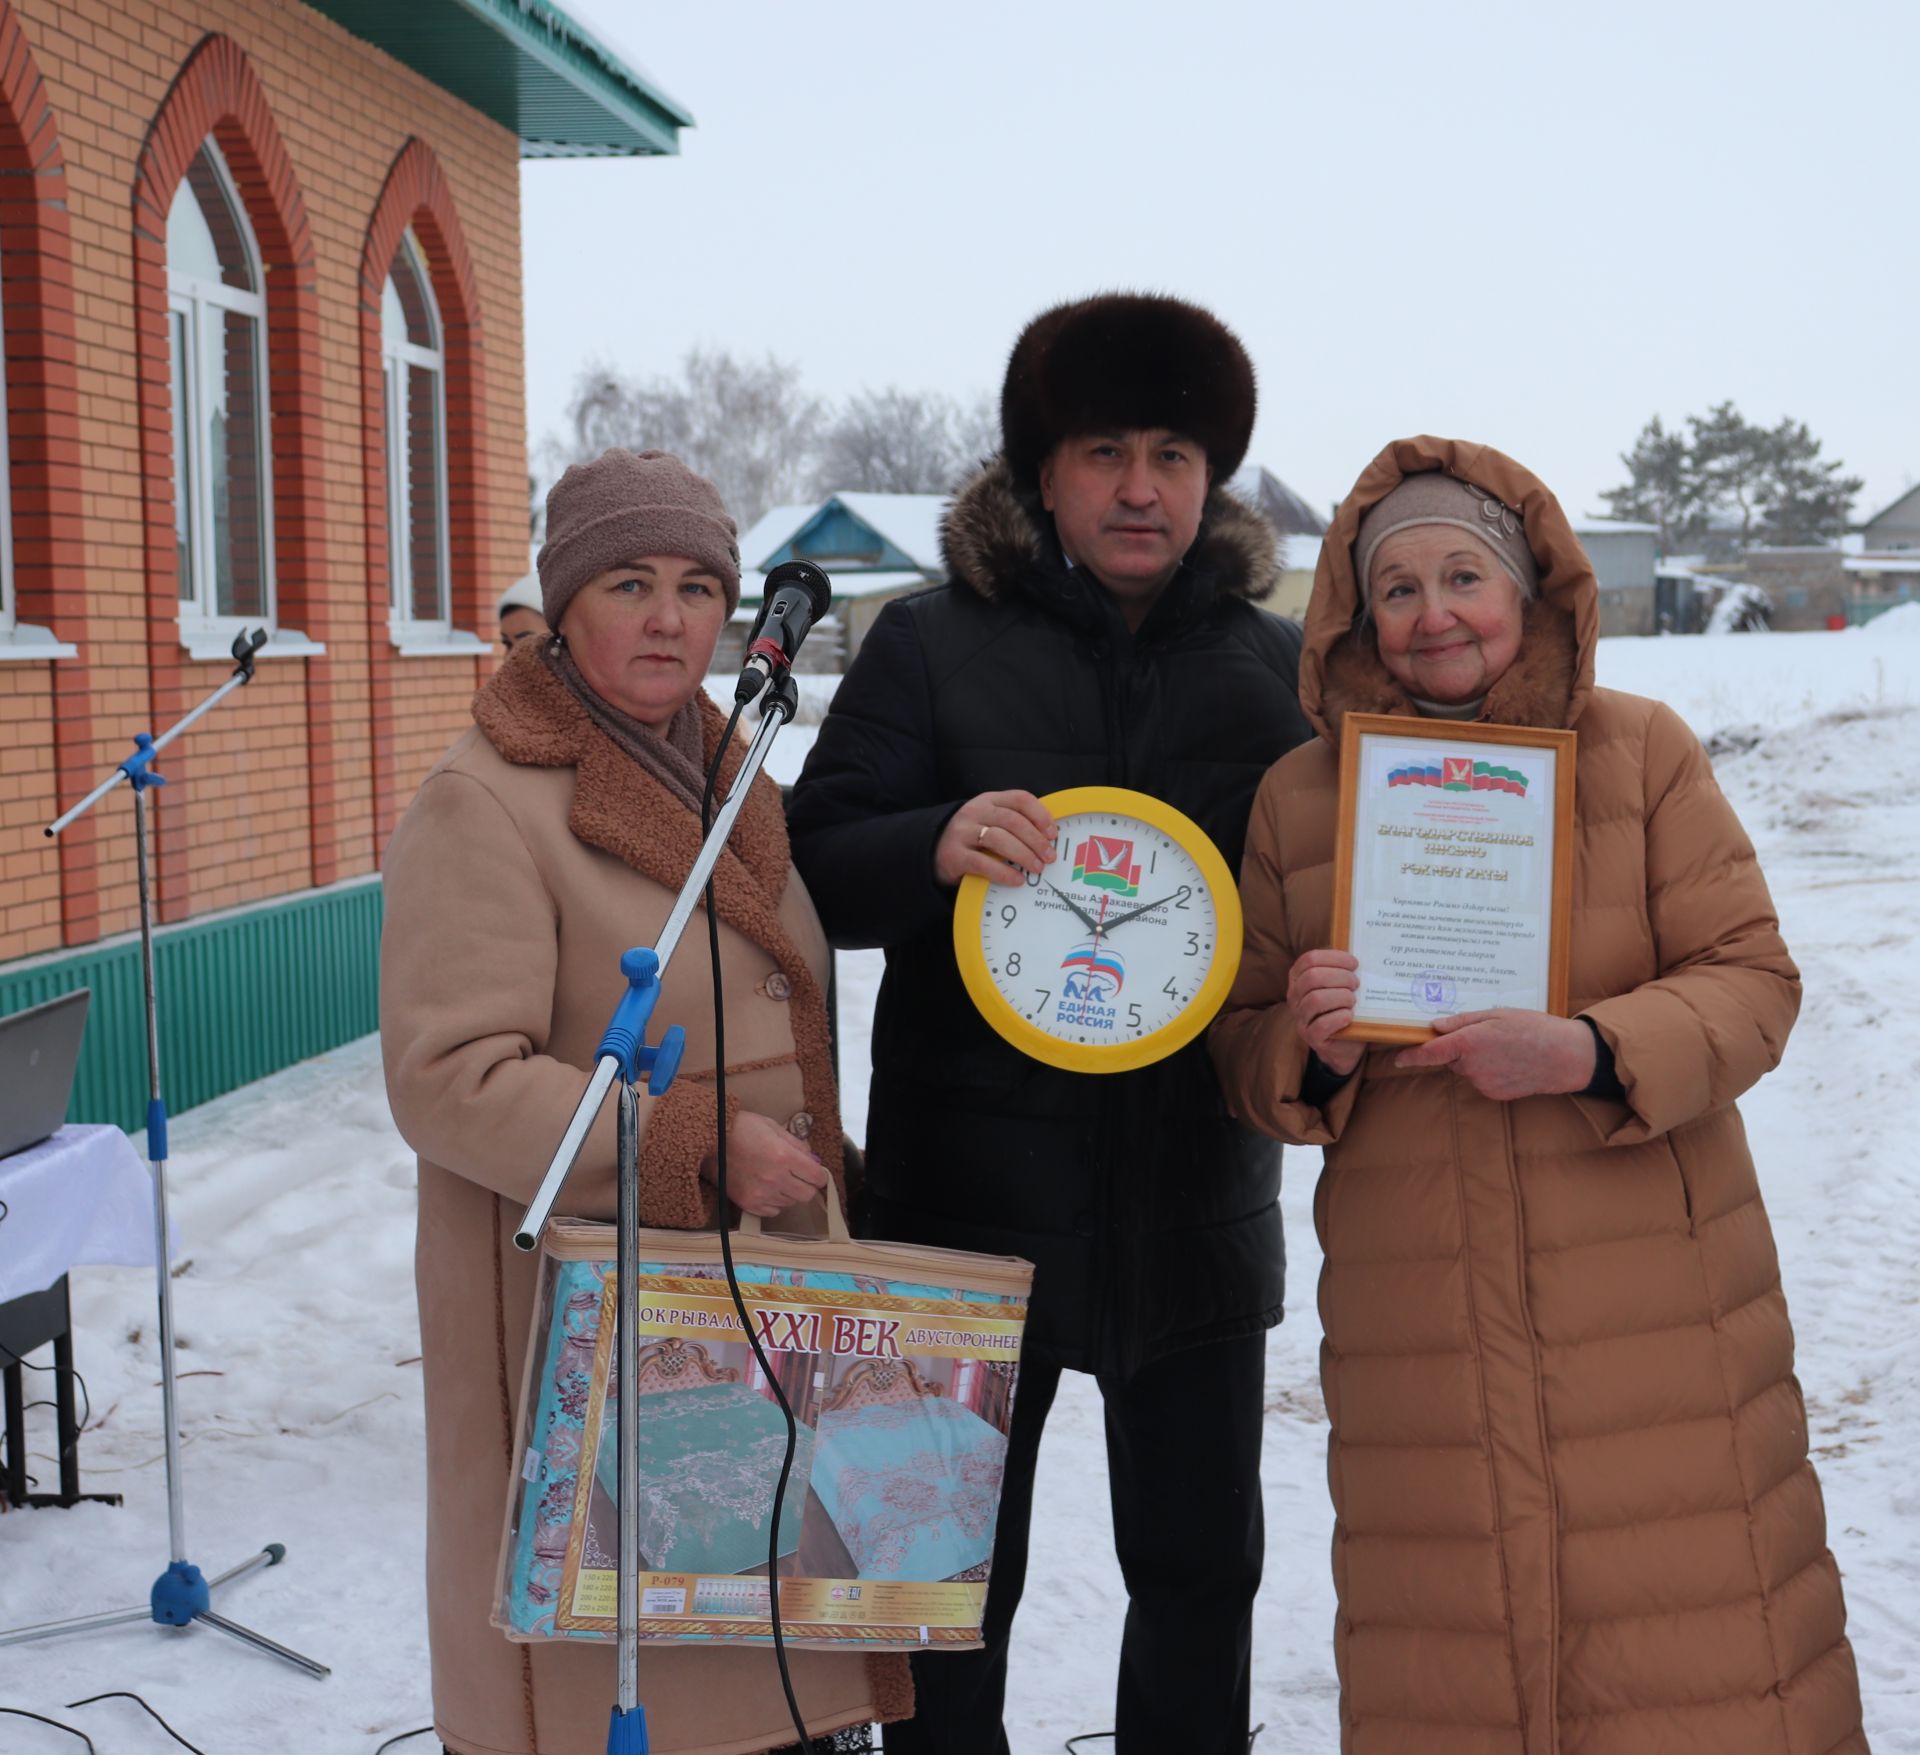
x=1045 y=993
x=1013 y=964
x=1153 y=861
x=1033 y=880
x=1181 y=895
x=1133 y=1017
x=1193 y=944
x=1170 y=990
x=1009 y=914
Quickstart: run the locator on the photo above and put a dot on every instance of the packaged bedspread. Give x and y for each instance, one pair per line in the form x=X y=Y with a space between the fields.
x=900 y=1363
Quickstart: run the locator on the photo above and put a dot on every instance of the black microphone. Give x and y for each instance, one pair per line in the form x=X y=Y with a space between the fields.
x=797 y=596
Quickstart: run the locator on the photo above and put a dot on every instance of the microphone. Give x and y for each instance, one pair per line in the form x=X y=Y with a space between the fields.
x=797 y=596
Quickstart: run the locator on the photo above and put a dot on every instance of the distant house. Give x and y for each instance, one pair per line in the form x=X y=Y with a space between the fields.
x=1300 y=527
x=1808 y=587
x=1623 y=557
x=874 y=547
x=1886 y=571
x=1894 y=528
x=1881 y=581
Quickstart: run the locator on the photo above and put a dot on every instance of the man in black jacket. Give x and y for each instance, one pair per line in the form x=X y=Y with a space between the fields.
x=1098 y=627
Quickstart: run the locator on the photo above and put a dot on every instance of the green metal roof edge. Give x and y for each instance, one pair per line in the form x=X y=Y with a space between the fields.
x=573 y=52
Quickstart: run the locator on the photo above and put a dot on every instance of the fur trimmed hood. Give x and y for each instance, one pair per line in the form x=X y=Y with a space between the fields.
x=998 y=541
x=1548 y=684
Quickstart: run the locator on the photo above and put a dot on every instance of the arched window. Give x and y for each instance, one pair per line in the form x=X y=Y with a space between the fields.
x=217 y=348
x=7 y=613
x=413 y=363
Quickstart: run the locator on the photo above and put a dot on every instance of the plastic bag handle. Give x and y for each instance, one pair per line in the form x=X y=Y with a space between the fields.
x=837 y=1231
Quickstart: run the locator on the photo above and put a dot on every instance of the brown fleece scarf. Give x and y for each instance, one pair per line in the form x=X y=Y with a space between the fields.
x=677 y=760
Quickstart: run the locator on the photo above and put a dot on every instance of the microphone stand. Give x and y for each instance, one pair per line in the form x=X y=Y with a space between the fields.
x=624 y=1055
x=182 y=1594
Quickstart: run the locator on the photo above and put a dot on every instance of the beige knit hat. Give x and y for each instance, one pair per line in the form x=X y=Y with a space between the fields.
x=625 y=505
x=1434 y=498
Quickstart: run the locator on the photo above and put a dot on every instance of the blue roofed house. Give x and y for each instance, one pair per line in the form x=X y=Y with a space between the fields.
x=874 y=547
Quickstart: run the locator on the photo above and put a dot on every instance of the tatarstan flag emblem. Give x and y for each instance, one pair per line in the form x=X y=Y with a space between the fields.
x=1460 y=774
x=1107 y=864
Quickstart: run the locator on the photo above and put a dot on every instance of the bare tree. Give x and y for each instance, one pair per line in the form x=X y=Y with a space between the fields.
x=905 y=442
x=746 y=425
x=754 y=431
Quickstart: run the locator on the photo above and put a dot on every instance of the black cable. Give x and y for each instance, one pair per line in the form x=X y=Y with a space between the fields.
x=86 y=1395
x=1073 y=1743
x=726 y=1244
x=122 y=1694
x=21 y=1712
x=403 y=1737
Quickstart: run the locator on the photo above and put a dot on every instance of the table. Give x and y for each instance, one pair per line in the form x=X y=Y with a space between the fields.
x=82 y=1197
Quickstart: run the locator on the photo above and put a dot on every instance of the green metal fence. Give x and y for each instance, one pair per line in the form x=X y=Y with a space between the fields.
x=240 y=997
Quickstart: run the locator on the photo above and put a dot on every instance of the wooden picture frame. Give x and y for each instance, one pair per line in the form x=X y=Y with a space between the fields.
x=1469 y=815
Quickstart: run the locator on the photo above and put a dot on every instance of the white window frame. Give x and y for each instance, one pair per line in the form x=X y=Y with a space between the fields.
x=8 y=611
x=202 y=303
x=423 y=634
x=19 y=641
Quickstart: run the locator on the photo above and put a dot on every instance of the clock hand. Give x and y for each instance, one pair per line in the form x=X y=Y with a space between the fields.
x=1135 y=913
x=1080 y=914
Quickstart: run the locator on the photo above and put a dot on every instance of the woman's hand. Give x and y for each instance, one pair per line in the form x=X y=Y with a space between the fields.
x=1510 y=1053
x=999 y=835
x=768 y=1170
x=1320 y=992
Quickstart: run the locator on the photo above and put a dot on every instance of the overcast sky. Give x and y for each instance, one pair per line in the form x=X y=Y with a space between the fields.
x=1533 y=225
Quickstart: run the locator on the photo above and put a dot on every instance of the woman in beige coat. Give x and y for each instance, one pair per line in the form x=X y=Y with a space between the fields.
x=1575 y=1510
x=548 y=840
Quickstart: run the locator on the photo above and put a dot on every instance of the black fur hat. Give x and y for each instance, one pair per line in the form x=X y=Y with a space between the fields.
x=1125 y=361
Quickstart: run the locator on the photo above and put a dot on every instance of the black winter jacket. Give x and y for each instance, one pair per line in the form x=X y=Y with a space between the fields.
x=1149 y=1213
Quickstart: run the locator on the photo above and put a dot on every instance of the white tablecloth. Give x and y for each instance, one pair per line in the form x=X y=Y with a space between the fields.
x=83 y=1196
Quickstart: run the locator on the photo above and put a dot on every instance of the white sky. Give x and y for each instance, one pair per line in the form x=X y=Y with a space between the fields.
x=1516 y=223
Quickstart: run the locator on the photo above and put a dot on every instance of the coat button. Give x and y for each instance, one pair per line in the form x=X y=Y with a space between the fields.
x=777 y=986
x=800 y=1124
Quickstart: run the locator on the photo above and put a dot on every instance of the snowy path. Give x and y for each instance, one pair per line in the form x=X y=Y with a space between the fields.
x=299 y=1305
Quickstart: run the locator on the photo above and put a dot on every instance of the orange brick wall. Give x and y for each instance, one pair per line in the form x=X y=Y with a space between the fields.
x=341 y=133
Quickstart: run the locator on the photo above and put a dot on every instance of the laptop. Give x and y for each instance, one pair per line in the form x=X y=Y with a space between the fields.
x=39 y=1049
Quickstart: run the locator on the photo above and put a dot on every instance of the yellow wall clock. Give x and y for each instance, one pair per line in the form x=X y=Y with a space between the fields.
x=1117 y=954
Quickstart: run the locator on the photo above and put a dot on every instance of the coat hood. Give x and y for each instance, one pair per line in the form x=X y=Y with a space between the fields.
x=998 y=541
x=1550 y=681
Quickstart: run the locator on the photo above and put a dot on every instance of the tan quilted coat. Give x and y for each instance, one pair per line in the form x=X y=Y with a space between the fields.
x=533 y=854
x=1576 y=1514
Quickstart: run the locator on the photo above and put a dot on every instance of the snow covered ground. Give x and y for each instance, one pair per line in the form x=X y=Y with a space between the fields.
x=297 y=1331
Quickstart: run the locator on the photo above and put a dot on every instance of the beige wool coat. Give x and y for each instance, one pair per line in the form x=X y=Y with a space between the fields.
x=533 y=855
x=1569 y=1463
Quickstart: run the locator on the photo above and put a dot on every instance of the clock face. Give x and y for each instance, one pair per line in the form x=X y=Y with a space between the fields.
x=1120 y=951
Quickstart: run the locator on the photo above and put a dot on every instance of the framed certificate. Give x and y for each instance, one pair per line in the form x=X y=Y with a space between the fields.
x=1453 y=870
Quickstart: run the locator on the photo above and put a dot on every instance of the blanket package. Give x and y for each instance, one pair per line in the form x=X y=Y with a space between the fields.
x=900 y=1363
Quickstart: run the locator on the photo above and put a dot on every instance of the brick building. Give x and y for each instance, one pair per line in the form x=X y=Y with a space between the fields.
x=260 y=291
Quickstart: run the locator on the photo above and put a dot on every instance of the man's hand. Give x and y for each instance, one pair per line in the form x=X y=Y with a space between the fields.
x=1321 y=987
x=1510 y=1053
x=999 y=835
x=768 y=1170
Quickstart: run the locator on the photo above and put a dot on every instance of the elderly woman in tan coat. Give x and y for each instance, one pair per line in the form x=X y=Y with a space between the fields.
x=549 y=839
x=1576 y=1514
